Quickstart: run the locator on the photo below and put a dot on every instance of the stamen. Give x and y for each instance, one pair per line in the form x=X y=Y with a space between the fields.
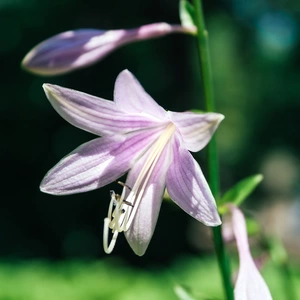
x=128 y=187
x=108 y=249
x=137 y=192
x=124 y=185
x=113 y=220
x=121 y=217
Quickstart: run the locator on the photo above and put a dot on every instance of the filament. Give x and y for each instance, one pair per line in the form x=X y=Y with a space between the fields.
x=121 y=212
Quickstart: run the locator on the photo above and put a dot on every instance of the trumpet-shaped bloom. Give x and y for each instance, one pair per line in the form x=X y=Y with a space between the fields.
x=249 y=284
x=75 y=49
x=139 y=137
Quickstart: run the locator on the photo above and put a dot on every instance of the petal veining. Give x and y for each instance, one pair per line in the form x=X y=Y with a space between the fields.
x=131 y=97
x=139 y=137
x=196 y=129
x=141 y=230
x=65 y=51
x=93 y=114
x=75 y=49
x=188 y=188
x=97 y=163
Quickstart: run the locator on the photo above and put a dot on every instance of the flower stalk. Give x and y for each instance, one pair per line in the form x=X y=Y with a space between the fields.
x=213 y=176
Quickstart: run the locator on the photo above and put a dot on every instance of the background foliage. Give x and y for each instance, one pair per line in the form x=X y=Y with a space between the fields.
x=255 y=57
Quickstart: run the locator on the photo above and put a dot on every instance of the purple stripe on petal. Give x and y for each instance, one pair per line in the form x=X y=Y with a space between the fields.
x=97 y=163
x=188 y=188
x=93 y=114
x=58 y=54
x=196 y=129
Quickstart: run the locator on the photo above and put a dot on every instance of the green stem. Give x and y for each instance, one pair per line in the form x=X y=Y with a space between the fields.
x=213 y=166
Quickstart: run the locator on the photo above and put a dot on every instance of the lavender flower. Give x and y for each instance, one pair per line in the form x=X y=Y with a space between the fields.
x=137 y=136
x=75 y=49
x=249 y=284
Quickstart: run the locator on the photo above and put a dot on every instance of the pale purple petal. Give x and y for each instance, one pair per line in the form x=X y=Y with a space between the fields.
x=131 y=97
x=70 y=50
x=188 y=188
x=141 y=230
x=249 y=285
x=75 y=49
x=97 y=163
x=93 y=114
x=196 y=129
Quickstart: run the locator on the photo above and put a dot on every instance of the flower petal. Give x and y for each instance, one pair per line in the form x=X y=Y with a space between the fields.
x=141 y=230
x=249 y=285
x=93 y=114
x=131 y=97
x=196 y=129
x=188 y=188
x=71 y=50
x=97 y=163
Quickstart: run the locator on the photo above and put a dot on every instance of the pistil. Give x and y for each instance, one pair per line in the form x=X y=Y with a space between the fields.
x=120 y=218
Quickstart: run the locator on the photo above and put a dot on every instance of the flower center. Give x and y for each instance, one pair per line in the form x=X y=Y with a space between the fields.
x=121 y=212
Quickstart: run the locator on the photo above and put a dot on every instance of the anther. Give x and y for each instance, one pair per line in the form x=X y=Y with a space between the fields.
x=124 y=185
x=121 y=212
x=128 y=203
x=116 y=219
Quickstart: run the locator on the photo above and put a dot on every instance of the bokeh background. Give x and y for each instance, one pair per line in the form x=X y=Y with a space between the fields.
x=51 y=247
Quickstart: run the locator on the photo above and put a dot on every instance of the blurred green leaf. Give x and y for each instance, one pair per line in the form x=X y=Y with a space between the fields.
x=253 y=227
x=239 y=192
x=112 y=278
x=278 y=252
x=182 y=293
x=186 y=13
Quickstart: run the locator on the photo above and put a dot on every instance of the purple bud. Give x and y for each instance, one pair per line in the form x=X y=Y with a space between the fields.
x=75 y=49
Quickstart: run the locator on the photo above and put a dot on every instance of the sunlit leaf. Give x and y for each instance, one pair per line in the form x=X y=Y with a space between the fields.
x=239 y=192
x=186 y=13
x=182 y=293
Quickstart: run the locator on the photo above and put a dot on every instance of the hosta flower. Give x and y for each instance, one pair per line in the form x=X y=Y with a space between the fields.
x=75 y=49
x=139 y=137
x=249 y=284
